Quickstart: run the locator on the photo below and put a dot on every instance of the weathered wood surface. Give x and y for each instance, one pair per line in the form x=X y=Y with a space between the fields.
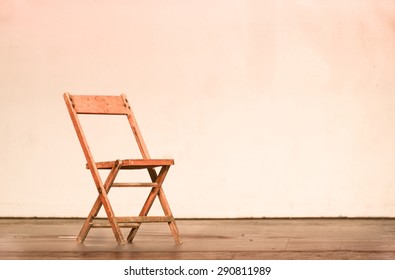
x=205 y=239
x=136 y=185
x=134 y=163
x=99 y=104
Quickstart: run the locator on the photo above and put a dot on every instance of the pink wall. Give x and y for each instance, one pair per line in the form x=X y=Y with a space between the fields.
x=270 y=108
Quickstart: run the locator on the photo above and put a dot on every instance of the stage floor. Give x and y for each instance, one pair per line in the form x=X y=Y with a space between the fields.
x=273 y=239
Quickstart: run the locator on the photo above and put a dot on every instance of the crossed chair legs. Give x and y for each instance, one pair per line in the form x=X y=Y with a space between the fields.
x=131 y=222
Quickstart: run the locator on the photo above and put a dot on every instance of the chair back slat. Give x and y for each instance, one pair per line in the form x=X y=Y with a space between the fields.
x=99 y=104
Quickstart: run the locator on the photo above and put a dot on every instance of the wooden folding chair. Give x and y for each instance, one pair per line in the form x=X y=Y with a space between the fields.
x=119 y=105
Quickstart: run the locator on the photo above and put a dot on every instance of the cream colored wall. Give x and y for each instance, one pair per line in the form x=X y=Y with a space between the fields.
x=270 y=108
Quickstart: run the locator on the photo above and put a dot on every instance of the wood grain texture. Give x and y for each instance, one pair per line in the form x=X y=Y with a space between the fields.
x=99 y=104
x=303 y=239
x=134 y=163
x=134 y=185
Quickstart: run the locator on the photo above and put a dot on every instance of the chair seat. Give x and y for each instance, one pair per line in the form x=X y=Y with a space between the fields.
x=134 y=163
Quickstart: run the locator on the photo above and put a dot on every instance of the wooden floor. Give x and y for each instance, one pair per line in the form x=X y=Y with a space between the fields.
x=273 y=239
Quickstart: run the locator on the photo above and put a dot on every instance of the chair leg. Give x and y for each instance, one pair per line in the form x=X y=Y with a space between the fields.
x=167 y=211
x=147 y=205
x=144 y=212
x=157 y=191
x=133 y=233
x=98 y=204
x=88 y=221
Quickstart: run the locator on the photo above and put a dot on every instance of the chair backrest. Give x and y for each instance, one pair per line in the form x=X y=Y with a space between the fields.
x=101 y=105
